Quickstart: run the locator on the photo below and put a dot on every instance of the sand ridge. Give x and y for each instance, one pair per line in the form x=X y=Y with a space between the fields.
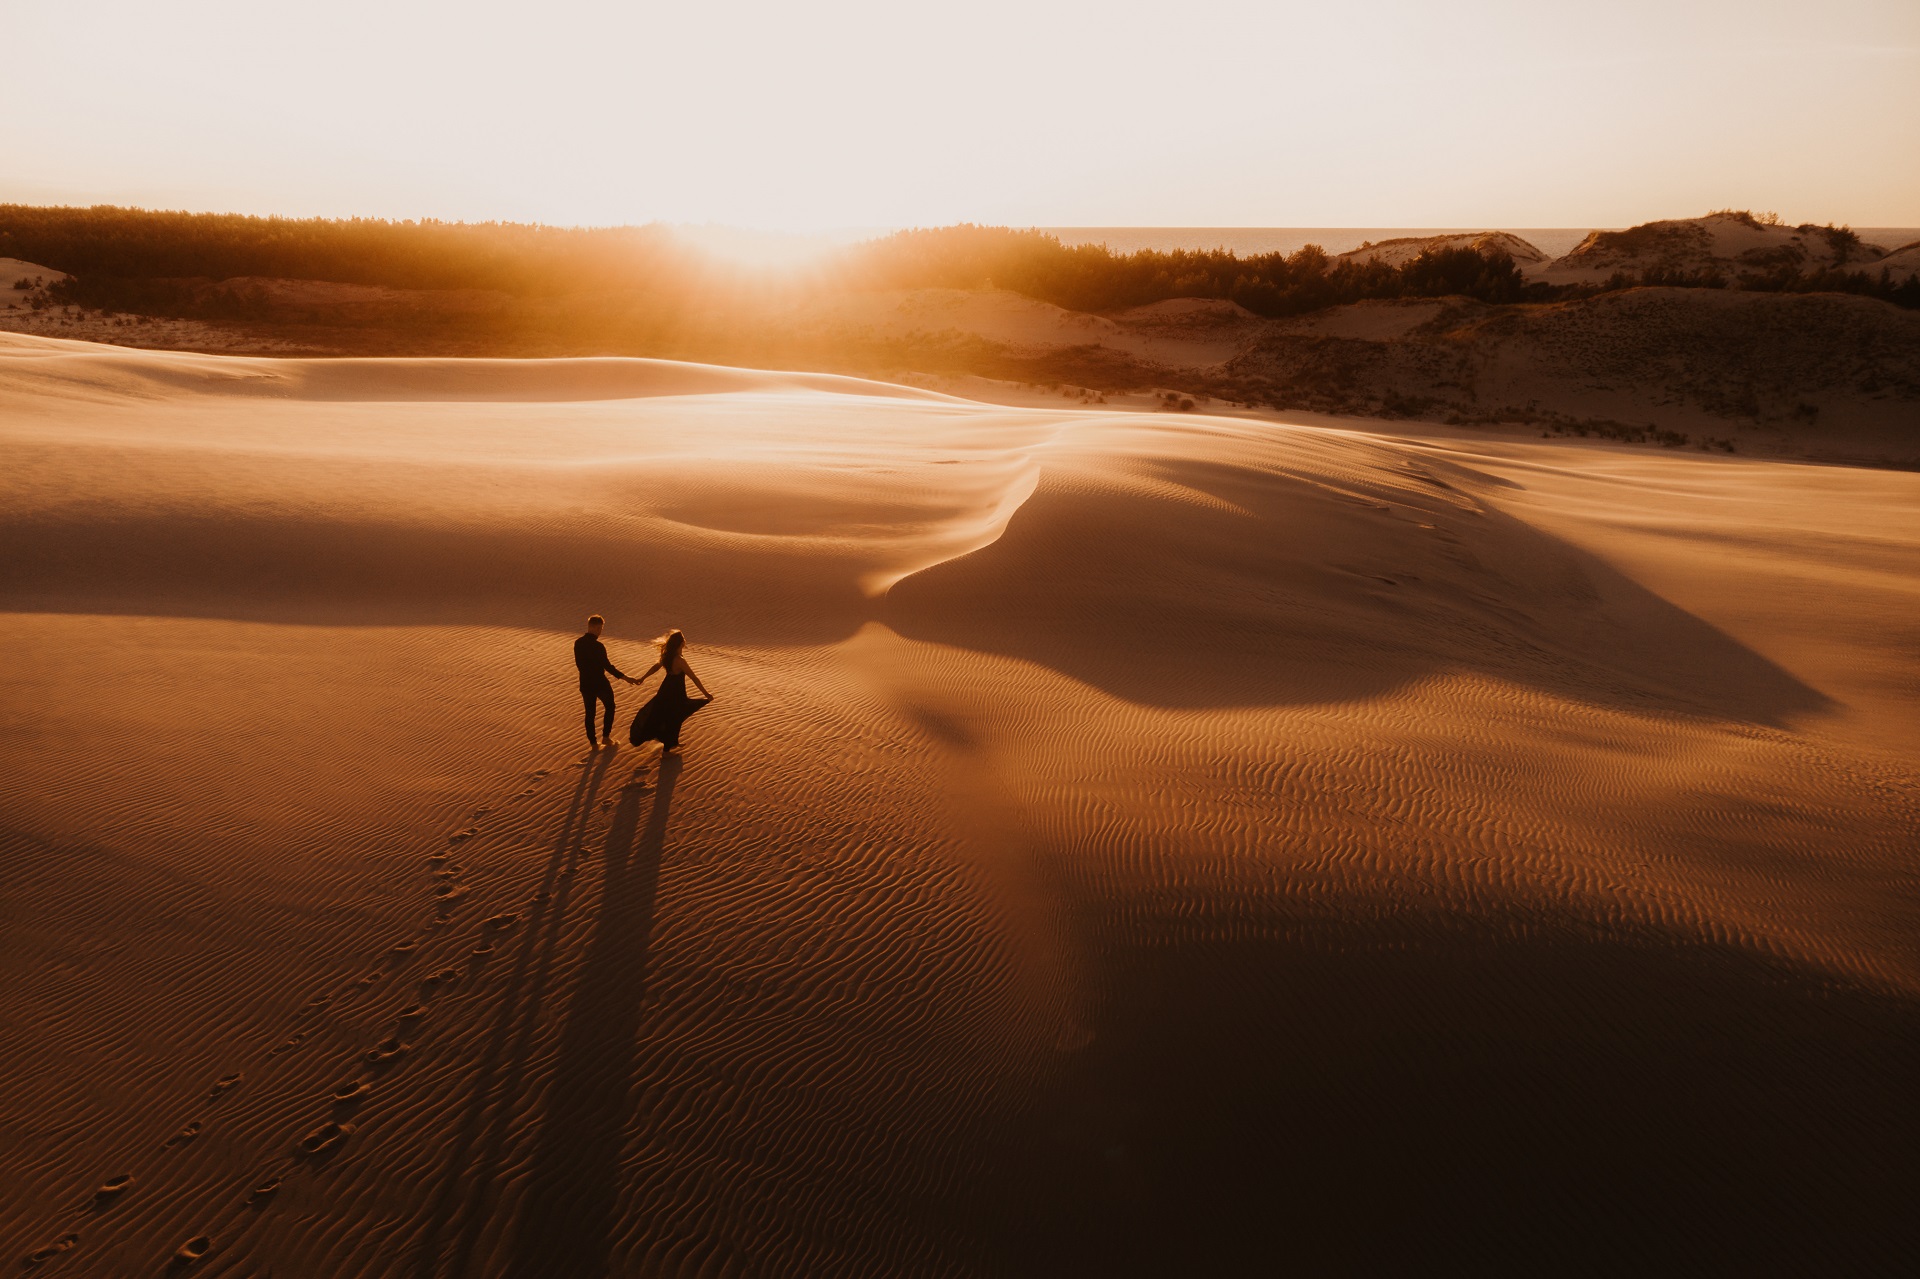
x=1122 y=841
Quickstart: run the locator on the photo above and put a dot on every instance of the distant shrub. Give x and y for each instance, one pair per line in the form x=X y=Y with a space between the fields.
x=1622 y=432
x=1464 y=272
x=1757 y=221
x=1844 y=241
x=1672 y=278
x=1906 y=293
x=1093 y=278
x=1779 y=255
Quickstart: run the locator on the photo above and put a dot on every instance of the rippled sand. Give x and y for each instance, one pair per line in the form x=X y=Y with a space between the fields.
x=1122 y=843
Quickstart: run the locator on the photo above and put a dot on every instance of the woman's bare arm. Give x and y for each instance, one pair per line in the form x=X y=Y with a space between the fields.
x=643 y=678
x=696 y=681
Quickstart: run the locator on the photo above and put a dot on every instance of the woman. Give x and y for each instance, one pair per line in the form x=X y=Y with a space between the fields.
x=660 y=719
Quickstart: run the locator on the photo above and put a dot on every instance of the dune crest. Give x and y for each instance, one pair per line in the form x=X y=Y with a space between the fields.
x=1730 y=242
x=1397 y=252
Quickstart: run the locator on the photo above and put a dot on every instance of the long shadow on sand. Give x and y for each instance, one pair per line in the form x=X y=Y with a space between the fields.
x=475 y=1159
x=573 y=1182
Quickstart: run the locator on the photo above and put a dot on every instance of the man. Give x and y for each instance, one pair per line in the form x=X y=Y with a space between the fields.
x=590 y=655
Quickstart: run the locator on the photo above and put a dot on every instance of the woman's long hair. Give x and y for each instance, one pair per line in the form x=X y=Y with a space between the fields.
x=670 y=645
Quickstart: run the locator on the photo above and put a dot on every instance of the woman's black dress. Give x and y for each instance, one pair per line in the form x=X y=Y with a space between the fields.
x=660 y=719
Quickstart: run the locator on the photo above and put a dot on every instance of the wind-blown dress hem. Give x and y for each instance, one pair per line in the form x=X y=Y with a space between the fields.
x=660 y=719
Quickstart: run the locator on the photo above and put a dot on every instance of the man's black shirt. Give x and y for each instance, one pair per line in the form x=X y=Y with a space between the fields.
x=590 y=655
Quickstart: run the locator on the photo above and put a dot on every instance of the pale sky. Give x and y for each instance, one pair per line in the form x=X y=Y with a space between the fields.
x=875 y=113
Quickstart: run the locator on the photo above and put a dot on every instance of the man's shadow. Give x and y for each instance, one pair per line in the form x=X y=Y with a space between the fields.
x=573 y=1179
x=480 y=1143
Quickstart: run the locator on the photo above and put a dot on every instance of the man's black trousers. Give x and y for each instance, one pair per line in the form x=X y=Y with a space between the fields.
x=600 y=691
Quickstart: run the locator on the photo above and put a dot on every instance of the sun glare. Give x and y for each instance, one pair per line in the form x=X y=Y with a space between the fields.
x=763 y=250
x=855 y=114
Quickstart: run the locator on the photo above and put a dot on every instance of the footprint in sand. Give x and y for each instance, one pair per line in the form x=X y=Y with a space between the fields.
x=192 y=1250
x=499 y=923
x=185 y=1135
x=316 y=1003
x=481 y=952
x=352 y=1090
x=366 y=981
x=400 y=948
x=388 y=1049
x=478 y=813
x=461 y=836
x=412 y=1012
x=226 y=1083
x=112 y=1188
x=65 y=1243
x=447 y=894
x=542 y=897
x=325 y=1137
x=263 y=1192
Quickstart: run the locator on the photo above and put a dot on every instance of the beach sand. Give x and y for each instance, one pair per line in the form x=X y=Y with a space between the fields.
x=1121 y=843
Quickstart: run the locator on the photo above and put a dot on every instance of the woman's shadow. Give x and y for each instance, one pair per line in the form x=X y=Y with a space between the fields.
x=573 y=1179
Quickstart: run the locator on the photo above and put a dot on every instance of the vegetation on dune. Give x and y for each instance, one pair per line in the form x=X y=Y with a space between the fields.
x=635 y=284
x=1779 y=269
x=1091 y=277
x=133 y=259
x=113 y=242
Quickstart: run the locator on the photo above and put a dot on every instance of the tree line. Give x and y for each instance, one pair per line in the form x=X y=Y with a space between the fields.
x=161 y=262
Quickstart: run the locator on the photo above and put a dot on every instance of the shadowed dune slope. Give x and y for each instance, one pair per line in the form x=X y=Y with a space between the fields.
x=1231 y=563
x=1121 y=845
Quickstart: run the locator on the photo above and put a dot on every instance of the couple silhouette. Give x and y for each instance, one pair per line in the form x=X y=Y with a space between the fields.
x=660 y=719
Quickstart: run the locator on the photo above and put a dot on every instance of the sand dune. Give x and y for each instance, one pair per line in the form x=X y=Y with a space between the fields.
x=14 y=271
x=1823 y=376
x=1902 y=263
x=1397 y=252
x=1123 y=844
x=1732 y=243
